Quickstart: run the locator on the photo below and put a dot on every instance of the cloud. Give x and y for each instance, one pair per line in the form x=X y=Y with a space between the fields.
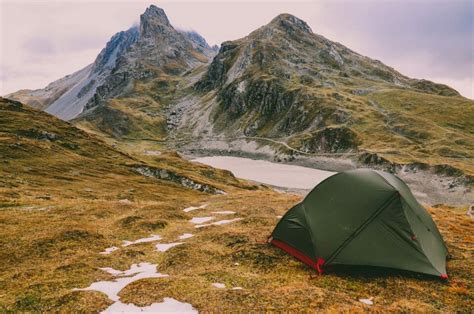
x=43 y=41
x=38 y=45
x=437 y=33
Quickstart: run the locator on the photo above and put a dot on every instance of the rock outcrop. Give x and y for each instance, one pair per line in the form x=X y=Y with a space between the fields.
x=286 y=84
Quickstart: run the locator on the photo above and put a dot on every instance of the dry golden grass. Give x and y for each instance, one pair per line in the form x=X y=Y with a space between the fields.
x=46 y=253
x=60 y=206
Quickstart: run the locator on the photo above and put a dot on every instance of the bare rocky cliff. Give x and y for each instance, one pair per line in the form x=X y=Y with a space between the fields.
x=140 y=53
x=295 y=93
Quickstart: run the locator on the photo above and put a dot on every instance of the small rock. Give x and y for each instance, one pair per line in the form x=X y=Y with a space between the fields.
x=109 y=250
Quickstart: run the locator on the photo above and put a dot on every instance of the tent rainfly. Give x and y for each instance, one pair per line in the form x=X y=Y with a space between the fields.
x=362 y=217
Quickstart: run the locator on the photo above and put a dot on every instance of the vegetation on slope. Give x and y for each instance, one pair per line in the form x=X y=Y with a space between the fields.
x=60 y=252
x=284 y=82
x=65 y=196
x=43 y=156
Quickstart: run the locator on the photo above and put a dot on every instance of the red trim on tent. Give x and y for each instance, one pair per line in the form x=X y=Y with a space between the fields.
x=300 y=255
x=444 y=276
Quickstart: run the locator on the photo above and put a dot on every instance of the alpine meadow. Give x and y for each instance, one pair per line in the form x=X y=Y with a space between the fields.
x=276 y=172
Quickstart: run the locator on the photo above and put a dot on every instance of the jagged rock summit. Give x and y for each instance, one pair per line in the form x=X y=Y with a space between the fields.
x=141 y=52
x=290 y=22
x=153 y=21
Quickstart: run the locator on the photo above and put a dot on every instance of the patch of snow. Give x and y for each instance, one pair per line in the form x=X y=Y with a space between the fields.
x=112 y=271
x=469 y=211
x=226 y=221
x=188 y=209
x=185 y=236
x=169 y=305
x=218 y=285
x=241 y=87
x=136 y=272
x=125 y=201
x=200 y=220
x=163 y=247
x=220 y=222
x=279 y=217
x=31 y=208
x=237 y=288
x=151 y=238
x=420 y=195
x=112 y=288
x=224 y=212
x=367 y=301
x=109 y=250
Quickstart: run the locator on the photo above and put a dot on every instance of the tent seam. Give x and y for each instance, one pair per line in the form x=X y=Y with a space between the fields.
x=421 y=246
x=419 y=249
x=362 y=226
x=417 y=216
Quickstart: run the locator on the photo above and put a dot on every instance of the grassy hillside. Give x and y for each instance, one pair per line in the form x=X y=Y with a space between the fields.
x=139 y=114
x=42 y=155
x=402 y=127
x=65 y=196
x=27 y=96
x=50 y=247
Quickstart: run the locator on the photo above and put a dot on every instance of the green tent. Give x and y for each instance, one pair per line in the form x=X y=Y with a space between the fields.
x=362 y=217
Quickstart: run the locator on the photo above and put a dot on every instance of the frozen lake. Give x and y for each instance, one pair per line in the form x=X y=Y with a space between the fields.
x=277 y=174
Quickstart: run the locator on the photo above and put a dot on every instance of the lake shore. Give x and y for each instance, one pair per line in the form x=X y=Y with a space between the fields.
x=428 y=188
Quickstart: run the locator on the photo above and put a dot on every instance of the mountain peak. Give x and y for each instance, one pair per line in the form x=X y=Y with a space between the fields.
x=290 y=22
x=153 y=21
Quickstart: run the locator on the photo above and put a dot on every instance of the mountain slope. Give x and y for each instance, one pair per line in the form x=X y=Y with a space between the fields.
x=131 y=101
x=154 y=48
x=43 y=98
x=43 y=156
x=66 y=197
x=284 y=83
x=66 y=97
x=73 y=208
x=282 y=91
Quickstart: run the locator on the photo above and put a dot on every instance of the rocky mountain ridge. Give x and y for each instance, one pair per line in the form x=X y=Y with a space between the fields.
x=138 y=53
x=283 y=83
x=282 y=90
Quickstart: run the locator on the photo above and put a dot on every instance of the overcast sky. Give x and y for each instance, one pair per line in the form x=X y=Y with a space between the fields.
x=42 y=41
